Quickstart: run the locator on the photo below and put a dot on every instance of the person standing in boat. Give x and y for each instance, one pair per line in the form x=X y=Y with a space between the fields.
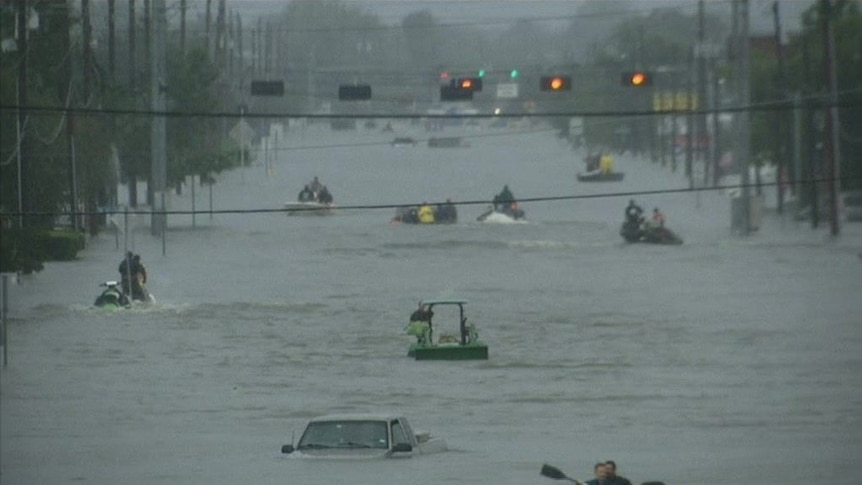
x=422 y=314
x=315 y=185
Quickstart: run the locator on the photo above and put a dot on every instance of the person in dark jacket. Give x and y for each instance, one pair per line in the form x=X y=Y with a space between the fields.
x=613 y=478
x=422 y=314
x=634 y=213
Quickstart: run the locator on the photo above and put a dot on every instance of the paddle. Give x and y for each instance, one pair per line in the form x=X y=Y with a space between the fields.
x=555 y=473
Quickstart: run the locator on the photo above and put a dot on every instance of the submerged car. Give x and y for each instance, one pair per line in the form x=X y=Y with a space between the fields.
x=362 y=436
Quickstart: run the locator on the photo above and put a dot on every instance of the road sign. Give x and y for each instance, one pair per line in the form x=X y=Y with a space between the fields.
x=507 y=90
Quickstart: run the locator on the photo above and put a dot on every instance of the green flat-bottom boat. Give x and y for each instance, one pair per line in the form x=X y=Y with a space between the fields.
x=447 y=347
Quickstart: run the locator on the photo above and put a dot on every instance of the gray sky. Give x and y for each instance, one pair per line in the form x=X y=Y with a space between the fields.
x=503 y=11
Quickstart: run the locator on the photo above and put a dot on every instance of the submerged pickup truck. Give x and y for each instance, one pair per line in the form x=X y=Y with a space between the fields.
x=358 y=436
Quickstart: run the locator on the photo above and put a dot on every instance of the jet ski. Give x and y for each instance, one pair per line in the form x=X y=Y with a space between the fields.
x=112 y=298
x=635 y=231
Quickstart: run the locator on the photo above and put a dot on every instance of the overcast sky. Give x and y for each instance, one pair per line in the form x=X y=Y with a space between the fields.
x=503 y=11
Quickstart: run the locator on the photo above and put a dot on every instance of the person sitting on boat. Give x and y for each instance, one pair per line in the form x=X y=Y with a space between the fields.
x=658 y=217
x=447 y=212
x=306 y=195
x=426 y=213
x=504 y=200
x=606 y=164
x=634 y=213
x=657 y=220
x=324 y=197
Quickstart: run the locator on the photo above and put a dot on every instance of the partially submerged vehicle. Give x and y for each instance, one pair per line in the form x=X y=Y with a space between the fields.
x=464 y=345
x=363 y=436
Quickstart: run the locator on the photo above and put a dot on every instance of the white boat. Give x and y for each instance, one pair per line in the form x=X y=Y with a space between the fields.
x=502 y=217
x=310 y=208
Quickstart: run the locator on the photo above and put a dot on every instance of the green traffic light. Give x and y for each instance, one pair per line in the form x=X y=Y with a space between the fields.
x=482 y=73
x=514 y=73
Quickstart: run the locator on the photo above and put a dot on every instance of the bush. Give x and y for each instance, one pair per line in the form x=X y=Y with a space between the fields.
x=26 y=250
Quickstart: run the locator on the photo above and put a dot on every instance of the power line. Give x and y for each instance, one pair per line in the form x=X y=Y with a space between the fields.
x=555 y=198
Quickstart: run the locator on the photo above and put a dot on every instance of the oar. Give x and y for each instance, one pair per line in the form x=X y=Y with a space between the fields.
x=555 y=473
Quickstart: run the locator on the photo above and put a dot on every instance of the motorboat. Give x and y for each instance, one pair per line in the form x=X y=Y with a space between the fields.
x=502 y=215
x=600 y=176
x=426 y=214
x=463 y=345
x=308 y=208
x=600 y=168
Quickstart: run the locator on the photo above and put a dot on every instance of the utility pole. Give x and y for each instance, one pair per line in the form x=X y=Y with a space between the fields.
x=689 y=120
x=703 y=132
x=158 y=130
x=66 y=70
x=87 y=49
x=208 y=21
x=743 y=116
x=112 y=39
x=832 y=152
x=780 y=91
x=132 y=47
x=23 y=149
x=183 y=26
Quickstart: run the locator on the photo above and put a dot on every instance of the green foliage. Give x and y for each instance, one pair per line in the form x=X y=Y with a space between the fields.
x=805 y=68
x=27 y=249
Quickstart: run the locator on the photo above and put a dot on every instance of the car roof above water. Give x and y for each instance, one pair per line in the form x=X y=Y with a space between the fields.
x=381 y=416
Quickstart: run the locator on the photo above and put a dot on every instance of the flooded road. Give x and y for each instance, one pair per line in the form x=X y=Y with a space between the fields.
x=713 y=362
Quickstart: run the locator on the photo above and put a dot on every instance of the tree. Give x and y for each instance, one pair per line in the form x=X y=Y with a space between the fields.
x=805 y=75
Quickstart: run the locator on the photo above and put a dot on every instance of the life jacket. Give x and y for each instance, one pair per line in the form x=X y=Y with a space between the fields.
x=426 y=214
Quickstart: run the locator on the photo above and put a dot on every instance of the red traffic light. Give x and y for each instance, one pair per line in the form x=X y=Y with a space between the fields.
x=637 y=78
x=556 y=83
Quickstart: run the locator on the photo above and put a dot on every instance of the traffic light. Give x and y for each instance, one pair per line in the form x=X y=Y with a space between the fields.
x=267 y=88
x=513 y=73
x=453 y=92
x=470 y=83
x=481 y=73
x=637 y=79
x=356 y=92
x=556 y=83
